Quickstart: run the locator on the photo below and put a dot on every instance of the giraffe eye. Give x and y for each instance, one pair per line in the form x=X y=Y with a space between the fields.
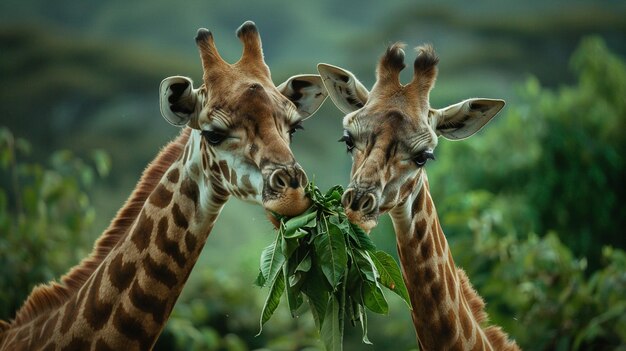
x=347 y=138
x=423 y=157
x=214 y=137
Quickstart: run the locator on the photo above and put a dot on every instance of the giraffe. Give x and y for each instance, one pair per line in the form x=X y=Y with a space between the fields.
x=235 y=141
x=391 y=132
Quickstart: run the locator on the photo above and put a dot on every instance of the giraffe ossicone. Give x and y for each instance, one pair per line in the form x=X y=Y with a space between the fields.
x=391 y=133
x=235 y=141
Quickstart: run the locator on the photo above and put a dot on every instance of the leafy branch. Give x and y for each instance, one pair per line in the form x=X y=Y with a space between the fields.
x=323 y=259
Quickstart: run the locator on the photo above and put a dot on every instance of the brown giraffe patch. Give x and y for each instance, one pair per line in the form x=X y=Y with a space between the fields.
x=166 y=245
x=120 y=273
x=420 y=229
x=479 y=344
x=101 y=345
x=429 y=206
x=179 y=217
x=452 y=319
x=189 y=188
x=215 y=169
x=466 y=325
x=131 y=328
x=437 y=290
x=444 y=329
x=159 y=272
x=161 y=197
x=173 y=175
x=77 y=344
x=219 y=192
x=96 y=312
x=224 y=169
x=233 y=176
x=426 y=249
x=69 y=313
x=190 y=242
x=147 y=303
x=428 y=275
x=143 y=231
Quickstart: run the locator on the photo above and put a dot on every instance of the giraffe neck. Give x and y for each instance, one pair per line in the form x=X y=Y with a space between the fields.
x=127 y=300
x=447 y=312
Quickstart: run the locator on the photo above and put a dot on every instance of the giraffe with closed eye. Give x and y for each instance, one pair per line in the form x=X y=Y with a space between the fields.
x=391 y=133
x=235 y=140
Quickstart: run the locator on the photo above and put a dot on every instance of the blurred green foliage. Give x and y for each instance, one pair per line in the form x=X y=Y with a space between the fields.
x=553 y=162
x=44 y=214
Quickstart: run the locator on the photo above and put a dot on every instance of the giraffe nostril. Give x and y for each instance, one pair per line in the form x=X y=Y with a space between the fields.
x=346 y=199
x=368 y=203
x=279 y=180
x=303 y=178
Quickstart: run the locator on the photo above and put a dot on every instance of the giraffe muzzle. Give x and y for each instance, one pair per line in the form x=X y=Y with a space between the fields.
x=284 y=192
x=284 y=178
x=361 y=207
x=364 y=202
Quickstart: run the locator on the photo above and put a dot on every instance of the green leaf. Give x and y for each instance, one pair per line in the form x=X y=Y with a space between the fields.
x=260 y=280
x=273 y=299
x=332 y=332
x=333 y=192
x=374 y=299
x=366 y=266
x=316 y=289
x=298 y=233
x=299 y=222
x=272 y=260
x=359 y=311
x=288 y=246
x=305 y=264
x=390 y=275
x=294 y=297
x=362 y=239
x=363 y=319
x=295 y=279
x=330 y=247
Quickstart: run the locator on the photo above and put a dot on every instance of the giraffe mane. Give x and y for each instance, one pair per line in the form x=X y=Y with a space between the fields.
x=46 y=297
x=498 y=339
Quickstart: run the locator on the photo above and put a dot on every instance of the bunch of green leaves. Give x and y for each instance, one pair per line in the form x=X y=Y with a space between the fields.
x=320 y=255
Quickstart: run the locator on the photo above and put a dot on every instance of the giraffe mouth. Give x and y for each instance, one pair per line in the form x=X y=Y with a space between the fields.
x=290 y=202
x=365 y=222
x=283 y=191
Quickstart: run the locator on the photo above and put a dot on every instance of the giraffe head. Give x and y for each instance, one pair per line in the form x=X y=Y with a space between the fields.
x=242 y=123
x=392 y=131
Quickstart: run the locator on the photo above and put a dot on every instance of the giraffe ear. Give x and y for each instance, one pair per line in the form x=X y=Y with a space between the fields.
x=306 y=91
x=464 y=119
x=344 y=89
x=178 y=100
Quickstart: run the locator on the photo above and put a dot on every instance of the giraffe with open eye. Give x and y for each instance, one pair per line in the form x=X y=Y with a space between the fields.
x=391 y=133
